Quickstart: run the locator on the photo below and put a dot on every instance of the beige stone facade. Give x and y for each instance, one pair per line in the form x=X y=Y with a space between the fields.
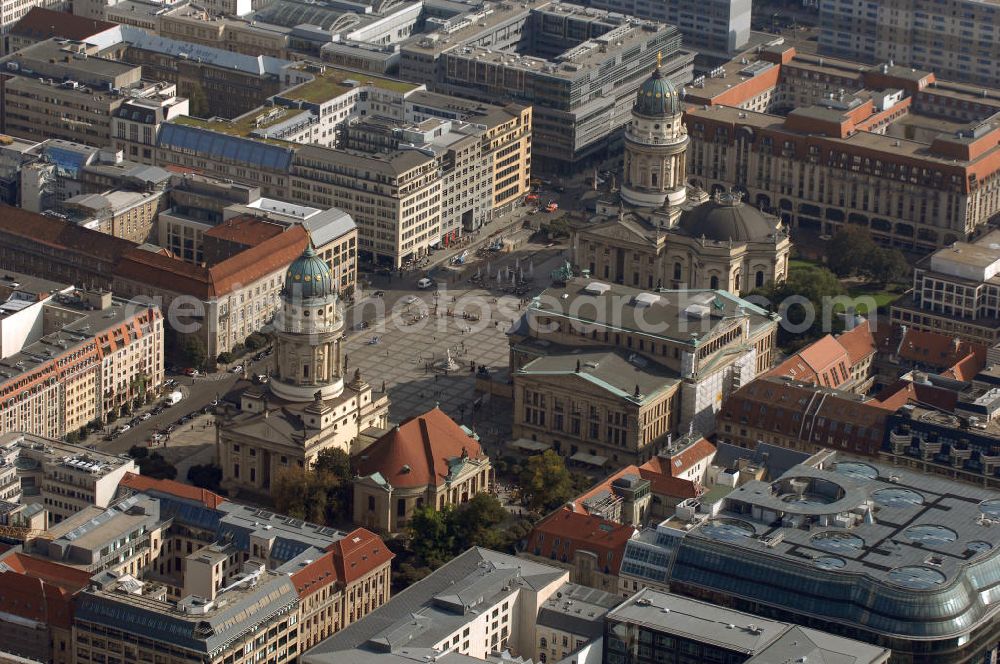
x=306 y=407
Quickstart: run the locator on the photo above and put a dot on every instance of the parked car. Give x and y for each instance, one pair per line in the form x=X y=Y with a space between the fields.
x=123 y=428
x=425 y=283
x=237 y=369
x=145 y=416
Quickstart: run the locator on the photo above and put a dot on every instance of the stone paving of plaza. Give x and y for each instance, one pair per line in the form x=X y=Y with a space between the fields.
x=410 y=358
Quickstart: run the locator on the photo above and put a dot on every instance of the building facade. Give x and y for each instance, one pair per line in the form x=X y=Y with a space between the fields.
x=960 y=44
x=425 y=461
x=306 y=406
x=956 y=291
x=611 y=371
x=825 y=142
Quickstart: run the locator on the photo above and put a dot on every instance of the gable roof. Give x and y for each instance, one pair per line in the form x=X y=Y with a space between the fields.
x=62 y=235
x=359 y=553
x=417 y=452
x=144 y=484
x=41 y=24
x=938 y=351
x=315 y=575
x=39 y=590
x=859 y=342
x=823 y=362
x=564 y=532
x=174 y=275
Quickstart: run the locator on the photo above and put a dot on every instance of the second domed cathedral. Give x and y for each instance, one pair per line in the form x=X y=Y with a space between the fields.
x=660 y=232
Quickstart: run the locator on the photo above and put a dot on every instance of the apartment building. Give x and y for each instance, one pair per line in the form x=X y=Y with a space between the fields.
x=236 y=289
x=956 y=292
x=218 y=82
x=427 y=460
x=63 y=89
x=130 y=215
x=957 y=40
x=608 y=372
x=41 y=23
x=37 y=596
x=394 y=198
x=577 y=67
x=60 y=477
x=46 y=247
x=164 y=557
x=71 y=357
x=135 y=123
x=465 y=173
x=825 y=142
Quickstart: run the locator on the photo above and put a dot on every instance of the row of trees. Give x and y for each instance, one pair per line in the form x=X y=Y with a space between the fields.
x=251 y=344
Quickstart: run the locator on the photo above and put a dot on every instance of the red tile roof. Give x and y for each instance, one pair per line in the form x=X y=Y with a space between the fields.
x=316 y=575
x=662 y=484
x=564 y=532
x=40 y=590
x=41 y=24
x=687 y=458
x=171 y=274
x=902 y=392
x=358 y=554
x=938 y=351
x=859 y=342
x=62 y=235
x=246 y=229
x=824 y=362
x=416 y=453
x=144 y=484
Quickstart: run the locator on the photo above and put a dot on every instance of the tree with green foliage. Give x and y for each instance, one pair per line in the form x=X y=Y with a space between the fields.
x=157 y=467
x=545 y=483
x=207 y=476
x=225 y=357
x=849 y=250
x=886 y=266
x=431 y=536
x=255 y=341
x=193 y=351
x=437 y=536
x=138 y=452
x=815 y=285
x=334 y=461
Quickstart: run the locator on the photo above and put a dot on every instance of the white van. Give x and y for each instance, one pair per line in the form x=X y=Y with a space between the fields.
x=425 y=283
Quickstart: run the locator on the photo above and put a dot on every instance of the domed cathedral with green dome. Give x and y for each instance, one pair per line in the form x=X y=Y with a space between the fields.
x=305 y=406
x=658 y=231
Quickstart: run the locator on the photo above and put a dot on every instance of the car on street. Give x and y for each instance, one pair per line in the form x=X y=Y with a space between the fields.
x=145 y=416
x=409 y=299
x=425 y=283
x=237 y=369
x=259 y=356
x=123 y=428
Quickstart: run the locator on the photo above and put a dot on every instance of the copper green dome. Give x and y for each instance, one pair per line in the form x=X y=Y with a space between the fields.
x=309 y=276
x=657 y=97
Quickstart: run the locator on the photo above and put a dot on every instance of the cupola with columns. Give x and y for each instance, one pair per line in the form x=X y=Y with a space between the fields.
x=309 y=325
x=655 y=145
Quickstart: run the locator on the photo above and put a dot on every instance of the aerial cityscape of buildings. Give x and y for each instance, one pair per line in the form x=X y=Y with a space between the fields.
x=490 y=332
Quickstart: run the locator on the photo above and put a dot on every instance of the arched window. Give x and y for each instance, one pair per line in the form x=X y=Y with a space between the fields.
x=653 y=177
x=759 y=279
x=543 y=643
x=714 y=282
x=677 y=270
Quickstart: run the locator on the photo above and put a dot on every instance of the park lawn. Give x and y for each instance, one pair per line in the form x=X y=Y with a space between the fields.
x=883 y=296
x=802 y=264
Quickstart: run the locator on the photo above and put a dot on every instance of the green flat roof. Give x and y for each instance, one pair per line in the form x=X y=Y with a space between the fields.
x=331 y=83
x=241 y=126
